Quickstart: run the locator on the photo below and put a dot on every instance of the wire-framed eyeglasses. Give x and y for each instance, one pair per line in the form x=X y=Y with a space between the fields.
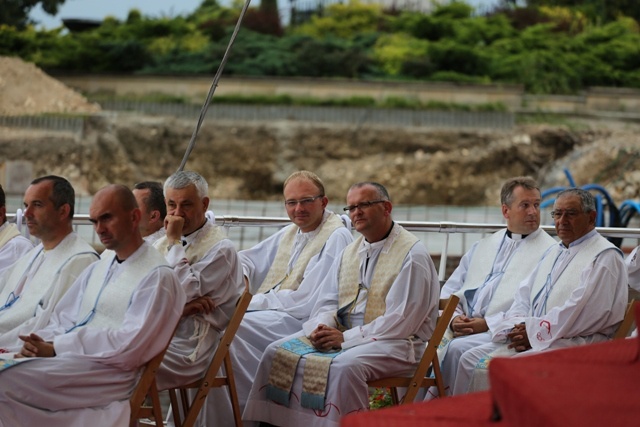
x=303 y=202
x=569 y=213
x=361 y=206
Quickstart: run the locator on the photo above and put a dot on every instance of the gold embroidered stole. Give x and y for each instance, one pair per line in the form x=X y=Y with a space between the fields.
x=317 y=365
x=278 y=272
x=7 y=233
x=386 y=270
x=204 y=240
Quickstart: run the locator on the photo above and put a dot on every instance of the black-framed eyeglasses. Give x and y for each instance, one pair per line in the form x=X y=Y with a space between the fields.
x=569 y=213
x=362 y=206
x=303 y=202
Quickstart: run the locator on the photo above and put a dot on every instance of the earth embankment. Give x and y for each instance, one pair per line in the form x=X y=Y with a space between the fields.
x=251 y=160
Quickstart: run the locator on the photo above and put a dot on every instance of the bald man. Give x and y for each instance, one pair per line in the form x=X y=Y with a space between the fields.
x=117 y=315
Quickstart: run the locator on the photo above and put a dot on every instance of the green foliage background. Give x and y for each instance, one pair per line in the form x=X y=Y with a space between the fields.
x=555 y=47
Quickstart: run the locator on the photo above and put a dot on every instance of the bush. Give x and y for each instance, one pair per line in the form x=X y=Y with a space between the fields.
x=391 y=51
x=450 y=56
x=344 y=21
x=327 y=57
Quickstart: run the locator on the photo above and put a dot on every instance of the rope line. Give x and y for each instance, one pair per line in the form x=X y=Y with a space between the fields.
x=212 y=89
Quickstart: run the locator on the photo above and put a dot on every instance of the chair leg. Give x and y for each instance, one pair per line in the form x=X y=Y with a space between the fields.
x=233 y=392
x=193 y=410
x=437 y=374
x=394 y=395
x=176 y=408
x=155 y=401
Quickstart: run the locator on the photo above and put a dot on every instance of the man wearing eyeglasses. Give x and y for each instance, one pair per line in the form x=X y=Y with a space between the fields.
x=377 y=308
x=576 y=295
x=489 y=273
x=282 y=273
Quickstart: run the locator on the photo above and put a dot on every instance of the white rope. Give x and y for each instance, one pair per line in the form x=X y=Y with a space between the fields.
x=214 y=85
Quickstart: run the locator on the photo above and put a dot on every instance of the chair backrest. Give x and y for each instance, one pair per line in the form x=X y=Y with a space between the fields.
x=228 y=335
x=629 y=317
x=448 y=307
x=209 y=378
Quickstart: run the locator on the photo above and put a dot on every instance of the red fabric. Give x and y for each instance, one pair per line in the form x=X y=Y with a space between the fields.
x=586 y=386
x=594 y=385
x=461 y=411
x=617 y=351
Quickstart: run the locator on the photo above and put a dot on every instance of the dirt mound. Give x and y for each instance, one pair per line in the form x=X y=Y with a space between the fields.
x=27 y=90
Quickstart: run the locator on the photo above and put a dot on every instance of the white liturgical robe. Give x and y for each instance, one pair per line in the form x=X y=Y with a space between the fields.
x=275 y=314
x=15 y=245
x=95 y=369
x=207 y=264
x=574 y=296
x=388 y=345
x=37 y=282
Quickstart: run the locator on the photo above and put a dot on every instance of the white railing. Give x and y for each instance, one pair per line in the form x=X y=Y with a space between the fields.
x=433 y=234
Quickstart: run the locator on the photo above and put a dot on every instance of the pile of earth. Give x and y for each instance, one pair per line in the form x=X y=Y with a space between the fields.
x=27 y=90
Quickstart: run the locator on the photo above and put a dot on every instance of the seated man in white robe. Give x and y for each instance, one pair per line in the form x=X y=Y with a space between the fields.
x=31 y=287
x=81 y=368
x=283 y=273
x=150 y=198
x=577 y=294
x=377 y=309
x=488 y=275
x=633 y=267
x=209 y=271
x=13 y=245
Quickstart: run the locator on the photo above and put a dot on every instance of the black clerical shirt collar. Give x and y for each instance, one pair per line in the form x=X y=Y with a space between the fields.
x=515 y=236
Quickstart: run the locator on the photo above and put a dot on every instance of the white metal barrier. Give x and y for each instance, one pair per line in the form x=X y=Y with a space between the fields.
x=423 y=229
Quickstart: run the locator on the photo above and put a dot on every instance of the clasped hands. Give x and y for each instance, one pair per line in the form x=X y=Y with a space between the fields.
x=463 y=325
x=326 y=338
x=519 y=338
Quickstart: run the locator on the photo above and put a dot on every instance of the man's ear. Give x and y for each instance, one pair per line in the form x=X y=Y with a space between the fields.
x=154 y=216
x=505 y=211
x=64 y=210
x=136 y=215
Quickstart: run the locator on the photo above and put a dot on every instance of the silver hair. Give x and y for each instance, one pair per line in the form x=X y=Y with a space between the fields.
x=587 y=201
x=183 y=179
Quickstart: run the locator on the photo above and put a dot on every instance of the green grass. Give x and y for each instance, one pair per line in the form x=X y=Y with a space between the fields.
x=550 y=119
x=354 y=101
x=157 y=97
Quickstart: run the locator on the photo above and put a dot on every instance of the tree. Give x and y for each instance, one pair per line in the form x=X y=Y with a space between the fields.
x=608 y=10
x=16 y=12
